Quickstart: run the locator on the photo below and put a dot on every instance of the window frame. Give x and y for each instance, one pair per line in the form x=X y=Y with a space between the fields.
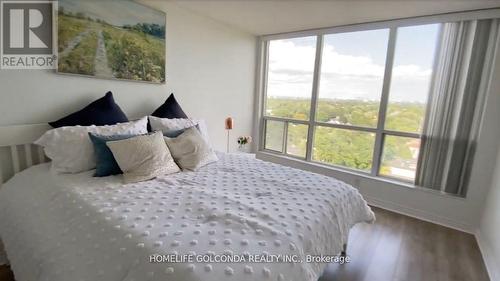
x=379 y=131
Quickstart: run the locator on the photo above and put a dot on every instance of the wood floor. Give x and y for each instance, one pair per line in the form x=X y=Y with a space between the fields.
x=400 y=248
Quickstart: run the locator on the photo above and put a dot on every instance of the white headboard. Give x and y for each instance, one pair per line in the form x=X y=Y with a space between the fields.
x=17 y=151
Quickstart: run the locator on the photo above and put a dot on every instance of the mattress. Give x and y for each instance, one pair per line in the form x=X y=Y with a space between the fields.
x=236 y=219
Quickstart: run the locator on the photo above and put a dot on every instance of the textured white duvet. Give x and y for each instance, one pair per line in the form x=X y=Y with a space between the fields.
x=75 y=227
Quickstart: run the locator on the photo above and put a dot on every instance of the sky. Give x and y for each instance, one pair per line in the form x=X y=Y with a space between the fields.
x=115 y=12
x=353 y=65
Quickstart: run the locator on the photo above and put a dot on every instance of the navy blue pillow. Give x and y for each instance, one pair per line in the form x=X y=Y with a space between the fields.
x=170 y=109
x=106 y=163
x=103 y=111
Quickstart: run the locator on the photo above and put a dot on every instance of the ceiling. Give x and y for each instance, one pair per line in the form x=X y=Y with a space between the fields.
x=261 y=17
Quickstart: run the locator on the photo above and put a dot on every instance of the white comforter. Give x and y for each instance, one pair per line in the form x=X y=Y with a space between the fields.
x=76 y=227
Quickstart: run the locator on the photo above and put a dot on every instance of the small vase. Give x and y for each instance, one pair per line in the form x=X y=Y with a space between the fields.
x=242 y=148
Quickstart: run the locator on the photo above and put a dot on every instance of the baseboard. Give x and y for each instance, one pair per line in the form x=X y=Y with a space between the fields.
x=420 y=214
x=491 y=262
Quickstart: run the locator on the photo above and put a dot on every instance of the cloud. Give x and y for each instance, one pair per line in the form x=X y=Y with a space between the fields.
x=410 y=71
x=287 y=56
x=343 y=76
x=356 y=66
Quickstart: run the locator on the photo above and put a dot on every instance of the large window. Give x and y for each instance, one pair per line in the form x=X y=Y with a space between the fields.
x=354 y=100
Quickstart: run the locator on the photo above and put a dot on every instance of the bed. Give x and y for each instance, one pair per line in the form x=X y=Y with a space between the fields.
x=77 y=227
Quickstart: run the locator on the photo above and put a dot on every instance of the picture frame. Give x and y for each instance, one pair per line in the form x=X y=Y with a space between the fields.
x=95 y=40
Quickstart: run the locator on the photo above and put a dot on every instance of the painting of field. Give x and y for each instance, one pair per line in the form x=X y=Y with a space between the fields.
x=113 y=39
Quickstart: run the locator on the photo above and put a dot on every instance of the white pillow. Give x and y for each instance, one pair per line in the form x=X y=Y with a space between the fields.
x=165 y=124
x=143 y=157
x=71 y=150
x=190 y=150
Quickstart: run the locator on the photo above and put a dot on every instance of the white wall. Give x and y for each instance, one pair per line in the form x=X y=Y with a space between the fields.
x=489 y=232
x=210 y=68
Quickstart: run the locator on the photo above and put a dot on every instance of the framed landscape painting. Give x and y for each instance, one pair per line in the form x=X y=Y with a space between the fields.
x=113 y=39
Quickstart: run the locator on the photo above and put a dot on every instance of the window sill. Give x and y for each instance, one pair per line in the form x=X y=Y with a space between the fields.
x=319 y=168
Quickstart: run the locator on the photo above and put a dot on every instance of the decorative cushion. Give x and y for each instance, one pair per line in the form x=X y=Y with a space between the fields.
x=176 y=133
x=165 y=125
x=105 y=162
x=72 y=151
x=190 y=150
x=170 y=109
x=103 y=111
x=143 y=157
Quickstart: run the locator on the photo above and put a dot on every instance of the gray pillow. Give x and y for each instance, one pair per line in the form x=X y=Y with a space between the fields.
x=143 y=157
x=190 y=150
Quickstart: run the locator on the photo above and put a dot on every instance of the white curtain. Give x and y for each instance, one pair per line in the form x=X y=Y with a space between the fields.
x=462 y=74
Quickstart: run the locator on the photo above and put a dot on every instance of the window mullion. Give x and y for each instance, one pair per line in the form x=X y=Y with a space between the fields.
x=379 y=139
x=314 y=97
x=285 y=137
x=263 y=89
